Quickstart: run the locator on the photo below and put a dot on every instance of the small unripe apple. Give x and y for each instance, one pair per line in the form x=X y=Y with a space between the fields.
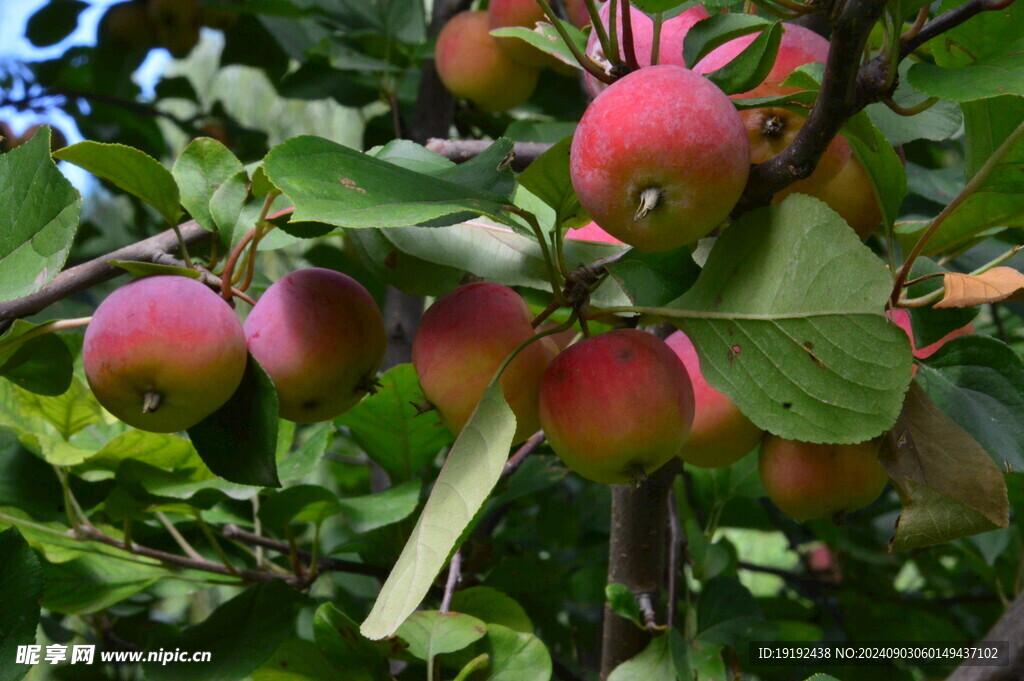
x=616 y=407
x=320 y=337
x=660 y=158
x=461 y=341
x=163 y=352
x=670 y=42
x=812 y=481
x=127 y=24
x=721 y=434
x=472 y=65
x=176 y=24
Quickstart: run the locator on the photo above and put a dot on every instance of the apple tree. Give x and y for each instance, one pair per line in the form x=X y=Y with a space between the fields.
x=512 y=341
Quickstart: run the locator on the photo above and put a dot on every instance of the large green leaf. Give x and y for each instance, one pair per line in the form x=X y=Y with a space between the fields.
x=516 y=655
x=928 y=457
x=130 y=169
x=95 y=582
x=430 y=633
x=654 y=663
x=788 y=319
x=750 y=67
x=979 y=383
x=41 y=364
x=200 y=170
x=339 y=639
x=717 y=30
x=239 y=441
x=296 y=660
x=391 y=431
x=21 y=589
x=940 y=121
x=548 y=179
x=470 y=472
x=727 y=613
x=240 y=635
x=545 y=37
x=343 y=187
x=39 y=223
x=492 y=606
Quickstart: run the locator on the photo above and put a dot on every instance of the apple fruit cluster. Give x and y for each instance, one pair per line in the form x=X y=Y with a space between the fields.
x=617 y=406
x=164 y=352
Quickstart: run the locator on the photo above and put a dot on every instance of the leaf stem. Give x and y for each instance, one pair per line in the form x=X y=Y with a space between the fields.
x=553 y=274
x=43 y=329
x=178 y=538
x=182 y=245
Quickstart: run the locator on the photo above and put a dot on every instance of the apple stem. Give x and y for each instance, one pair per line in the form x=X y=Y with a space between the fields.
x=598 y=25
x=627 y=37
x=151 y=402
x=649 y=199
x=659 y=17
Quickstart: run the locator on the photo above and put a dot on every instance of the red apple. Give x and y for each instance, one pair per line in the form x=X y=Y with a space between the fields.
x=721 y=434
x=813 y=481
x=164 y=352
x=660 y=158
x=902 y=319
x=321 y=339
x=616 y=407
x=462 y=340
x=472 y=65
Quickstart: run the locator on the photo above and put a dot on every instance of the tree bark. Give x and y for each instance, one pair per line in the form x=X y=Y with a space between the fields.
x=636 y=558
x=1010 y=627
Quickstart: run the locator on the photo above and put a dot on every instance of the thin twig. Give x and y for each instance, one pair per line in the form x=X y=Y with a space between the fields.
x=674 y=546
x=528 y=447
x=178 y=538
x=326 y=563
x=454 y=577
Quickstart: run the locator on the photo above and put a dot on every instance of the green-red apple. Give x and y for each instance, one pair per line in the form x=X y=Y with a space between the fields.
x=812 y=481
x=472 y=65
x=616 y=407
x=660 y=158
x=163 y=352
x=721 y=434
x=320 y=337
x=462 y=340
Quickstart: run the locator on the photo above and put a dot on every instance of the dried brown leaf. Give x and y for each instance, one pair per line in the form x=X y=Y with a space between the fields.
x=967 y=290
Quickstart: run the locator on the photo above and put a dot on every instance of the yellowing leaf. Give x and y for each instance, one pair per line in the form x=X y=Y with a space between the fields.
x=968 y=290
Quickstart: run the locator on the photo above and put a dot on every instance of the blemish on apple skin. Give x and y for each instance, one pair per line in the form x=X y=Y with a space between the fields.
x=351 y=184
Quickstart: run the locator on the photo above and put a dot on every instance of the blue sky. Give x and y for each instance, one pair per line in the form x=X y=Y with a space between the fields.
x=14 y=46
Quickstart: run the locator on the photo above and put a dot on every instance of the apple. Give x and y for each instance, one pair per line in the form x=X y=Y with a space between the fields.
x=524 y=13
x=660 y=158
x=670 y=43
x=127 y=24
x=839 y=179
x=176 y=24
x=721 y=434
x=472 y=65
x=616 y=407
x=320 y=337
x=813 y=481
x=461 y=341
x=591 y=232
x=163 y=352
x=902 y=319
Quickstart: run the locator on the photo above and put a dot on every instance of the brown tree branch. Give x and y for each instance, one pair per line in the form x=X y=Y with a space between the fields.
x=1010 y=627
x=324 y=563
x=98 y=270
x=461 y=151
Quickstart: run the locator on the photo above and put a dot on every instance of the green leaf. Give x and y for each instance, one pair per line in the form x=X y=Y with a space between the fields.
x=162 y=450
x=623 y=603
x=304 y=459
x=201 y=169
x=717 y=30
x=516 y=656
x=939 y=122
x=68 y=413
x=389 y=429
x=545 y=38
x=226 y=206
x=42 y=364
x=680 y=653
x=430 y=633
x=727 y=613
x=883 y=166
x=53 y=22
x=548 y=179
x=342 y=187
x=788 y=319
x=130 y=169
x=989 y=77
x=368 y=512
x=926 y=457
x=751 y=66
x=493 y=607
x=240 y=635
x=652 y=6
x=470 y=472
x=239 y=441
x=654 y=663
x=21 y=590
x=489 y=171
x=94 y=582
x=655 y=279
x=979 y=383
x=307 y=503
x=296 y=660
x=340 y=641
x=36 y=238
x=145 y=269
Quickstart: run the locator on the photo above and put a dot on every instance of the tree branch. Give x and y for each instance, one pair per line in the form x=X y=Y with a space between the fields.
x=461 y=151
x=324 y=563
x=98 y=270
x=949 y=20
x=1010 y=627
